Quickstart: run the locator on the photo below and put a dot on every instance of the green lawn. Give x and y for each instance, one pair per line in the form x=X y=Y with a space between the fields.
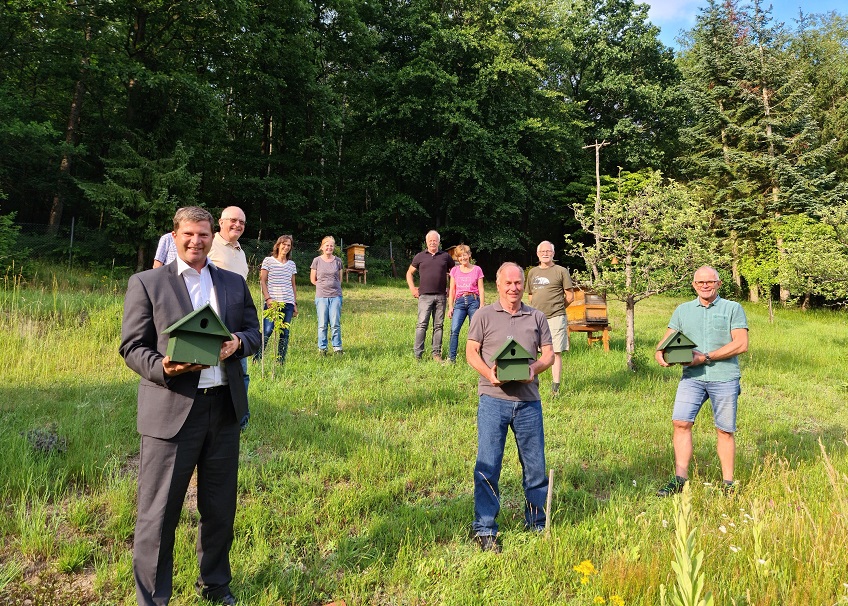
x=356 y=472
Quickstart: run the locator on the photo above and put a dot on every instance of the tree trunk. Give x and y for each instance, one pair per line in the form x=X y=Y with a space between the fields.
x=754 y=293
x=734 y=262
x=267 y=150
x=71 y=140
x=630 y=315
x=630 y=339
x=140 y=259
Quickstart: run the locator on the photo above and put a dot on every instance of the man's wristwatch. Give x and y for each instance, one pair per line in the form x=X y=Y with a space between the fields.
x=707 y=359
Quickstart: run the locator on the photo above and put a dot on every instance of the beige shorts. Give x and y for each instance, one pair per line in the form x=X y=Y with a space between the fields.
x=559 y=333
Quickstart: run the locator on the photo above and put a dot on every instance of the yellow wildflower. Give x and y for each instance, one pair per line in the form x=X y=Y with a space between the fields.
x=585 y=568
x=599 y=600
x=584 y=580
x=616 y=600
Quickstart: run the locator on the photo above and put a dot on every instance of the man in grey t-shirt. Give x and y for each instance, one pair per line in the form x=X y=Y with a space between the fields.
x=512 y=404
x=551 y=291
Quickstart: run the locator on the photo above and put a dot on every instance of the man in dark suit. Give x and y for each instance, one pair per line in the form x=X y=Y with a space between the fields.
x=188 y=414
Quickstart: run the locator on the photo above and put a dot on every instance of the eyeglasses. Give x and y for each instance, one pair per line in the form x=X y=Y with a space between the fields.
x=241 y=221
x=706 y=282
x=545 y=252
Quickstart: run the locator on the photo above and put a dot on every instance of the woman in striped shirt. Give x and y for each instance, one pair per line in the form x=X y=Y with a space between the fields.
x=276 y=277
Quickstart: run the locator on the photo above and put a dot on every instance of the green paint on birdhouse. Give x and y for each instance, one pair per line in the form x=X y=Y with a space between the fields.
x=677 y=348
x=513 y=362
x=197 y=338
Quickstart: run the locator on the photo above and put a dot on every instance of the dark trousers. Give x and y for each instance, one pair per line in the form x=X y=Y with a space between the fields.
x=209 y=441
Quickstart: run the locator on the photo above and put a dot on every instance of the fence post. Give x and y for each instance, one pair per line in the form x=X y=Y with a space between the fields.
x=71 y=247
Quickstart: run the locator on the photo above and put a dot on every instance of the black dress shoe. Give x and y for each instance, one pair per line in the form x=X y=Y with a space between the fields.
x=488 y=542
x=228 y=599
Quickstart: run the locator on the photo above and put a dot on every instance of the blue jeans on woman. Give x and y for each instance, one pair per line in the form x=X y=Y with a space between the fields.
x=329 y=310
x=268 y=330
x=464 y=306
x=494 y=418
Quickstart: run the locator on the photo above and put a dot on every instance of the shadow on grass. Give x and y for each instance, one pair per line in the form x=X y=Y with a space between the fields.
x=95 y=421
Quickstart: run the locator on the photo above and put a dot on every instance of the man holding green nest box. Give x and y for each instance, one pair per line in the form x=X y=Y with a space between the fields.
x=499 y=339
x=710 y=372
x=188 y=411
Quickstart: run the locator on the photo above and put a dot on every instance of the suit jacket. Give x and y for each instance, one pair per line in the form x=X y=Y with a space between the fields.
x=157 y=298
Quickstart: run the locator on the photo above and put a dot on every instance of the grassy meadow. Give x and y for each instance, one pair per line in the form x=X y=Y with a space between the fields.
x=355 y=479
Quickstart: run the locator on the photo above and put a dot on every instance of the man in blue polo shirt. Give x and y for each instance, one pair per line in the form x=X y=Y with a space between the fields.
x=720 y=330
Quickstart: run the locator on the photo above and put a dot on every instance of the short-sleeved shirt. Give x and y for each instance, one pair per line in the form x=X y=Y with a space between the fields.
x=491 y=326
x=547 y=286
x=228 y=255
x=280 y=278
x=433 y=271
x=709 y=327
x=327 y=275
x=166 y=250
x=466 y=283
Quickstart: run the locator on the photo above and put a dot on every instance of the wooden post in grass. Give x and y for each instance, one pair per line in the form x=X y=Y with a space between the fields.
x=548 y=503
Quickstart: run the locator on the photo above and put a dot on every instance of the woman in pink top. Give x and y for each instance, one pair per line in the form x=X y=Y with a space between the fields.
x=465 y=296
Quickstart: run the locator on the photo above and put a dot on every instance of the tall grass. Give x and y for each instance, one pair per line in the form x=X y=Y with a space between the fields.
x=355 y=478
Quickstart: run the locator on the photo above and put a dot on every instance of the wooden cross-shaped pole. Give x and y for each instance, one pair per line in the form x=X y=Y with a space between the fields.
x=596 y=229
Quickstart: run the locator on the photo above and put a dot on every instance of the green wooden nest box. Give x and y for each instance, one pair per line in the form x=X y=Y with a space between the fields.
x=513 y=362
x=197 y=338
x=677 y=348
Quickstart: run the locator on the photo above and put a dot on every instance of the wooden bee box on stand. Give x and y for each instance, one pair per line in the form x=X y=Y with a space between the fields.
x=588 y=313
x=356 y=262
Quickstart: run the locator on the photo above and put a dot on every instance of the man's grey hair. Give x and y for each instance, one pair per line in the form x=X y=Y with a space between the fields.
x=192 y=214
x=231 y=208
x=551 y=244
x=712 y=269
x=504 y=266
x=433 y=231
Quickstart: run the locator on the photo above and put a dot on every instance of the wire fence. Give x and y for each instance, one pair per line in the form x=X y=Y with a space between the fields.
x=81 y=246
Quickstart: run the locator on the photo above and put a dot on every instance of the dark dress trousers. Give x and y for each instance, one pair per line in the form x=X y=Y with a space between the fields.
x=183 y=429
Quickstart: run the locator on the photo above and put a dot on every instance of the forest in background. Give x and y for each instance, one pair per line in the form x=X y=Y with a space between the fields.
x=376 y=120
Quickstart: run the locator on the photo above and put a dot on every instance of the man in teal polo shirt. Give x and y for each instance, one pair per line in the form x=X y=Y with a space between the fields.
x=720 y=330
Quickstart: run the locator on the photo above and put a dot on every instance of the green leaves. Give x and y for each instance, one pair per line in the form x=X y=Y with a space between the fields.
x=688 y=589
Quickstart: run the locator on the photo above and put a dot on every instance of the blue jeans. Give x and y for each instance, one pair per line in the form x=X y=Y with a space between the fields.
x=430 y=305
x=494 y=418
x=723 y=396
x=464 y=306
x=329 y=310
x=268 y=330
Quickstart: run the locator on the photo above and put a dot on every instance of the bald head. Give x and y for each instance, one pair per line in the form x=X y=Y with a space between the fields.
x=232 y=223
x=706 y=283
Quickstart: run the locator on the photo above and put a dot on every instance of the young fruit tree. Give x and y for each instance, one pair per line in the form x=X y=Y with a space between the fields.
x=652 y=235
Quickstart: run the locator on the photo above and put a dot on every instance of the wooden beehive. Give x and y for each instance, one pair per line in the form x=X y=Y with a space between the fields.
x=587 y=309
x=356 y=256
